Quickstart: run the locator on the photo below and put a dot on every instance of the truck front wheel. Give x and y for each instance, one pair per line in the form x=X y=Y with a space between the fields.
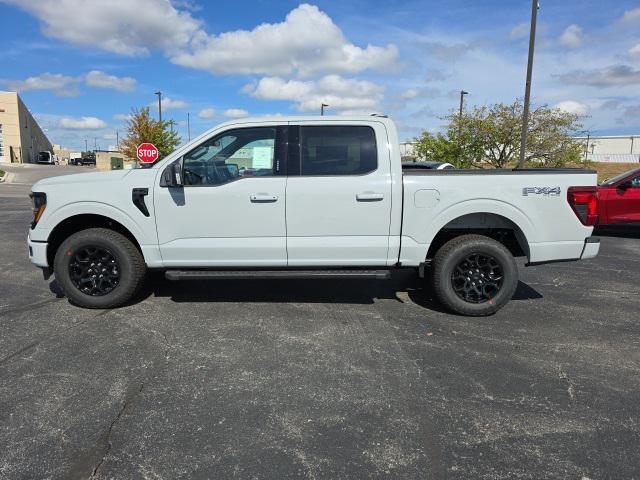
x=99 y=268
x=474 y=275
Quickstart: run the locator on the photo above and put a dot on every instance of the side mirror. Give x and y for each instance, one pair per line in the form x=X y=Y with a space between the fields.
x=172 y=175
x=625 y=185
x=233 y=170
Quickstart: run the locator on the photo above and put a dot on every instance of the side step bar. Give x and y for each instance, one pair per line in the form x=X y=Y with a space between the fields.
x=273 y=274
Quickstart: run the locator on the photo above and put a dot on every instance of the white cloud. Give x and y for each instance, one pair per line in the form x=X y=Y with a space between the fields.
x=632 y=16
x=307 y=42
x=613 y=76
x=59 y=84
x=122 y=117
x=572 y=106
x=235 y=113
x=424 y=92
x=98 y=79
x=83 y=123
x=410 y=94
x=338 y=92
x=120 y=26
x=634 y=52
x=572 y=37
x=169 y=104
x=520 y=31
x=207 y=113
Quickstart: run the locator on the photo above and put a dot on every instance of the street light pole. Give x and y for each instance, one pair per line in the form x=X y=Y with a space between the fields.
x=322 y=109
x=188 y=126
x=527 y=95
x=117 y=141
x=86 y=146
x=159 y=94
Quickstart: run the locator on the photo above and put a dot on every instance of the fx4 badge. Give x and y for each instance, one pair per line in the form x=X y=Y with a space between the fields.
x=544 y=191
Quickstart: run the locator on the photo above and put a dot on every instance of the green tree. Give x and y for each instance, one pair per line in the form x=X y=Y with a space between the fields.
x=489 y=136
x=141 y=128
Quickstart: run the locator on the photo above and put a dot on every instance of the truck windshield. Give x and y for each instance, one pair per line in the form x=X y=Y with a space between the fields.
x=615 y=180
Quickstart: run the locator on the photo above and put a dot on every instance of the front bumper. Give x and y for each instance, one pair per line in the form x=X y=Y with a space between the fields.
x=37 y=252
x=591 y=248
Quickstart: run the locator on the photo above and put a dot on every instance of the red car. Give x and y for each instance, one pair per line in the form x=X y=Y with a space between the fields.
x=619 y=199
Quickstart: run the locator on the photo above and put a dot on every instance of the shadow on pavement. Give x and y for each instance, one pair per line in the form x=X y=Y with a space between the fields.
x=362 y=292
x=618 y=231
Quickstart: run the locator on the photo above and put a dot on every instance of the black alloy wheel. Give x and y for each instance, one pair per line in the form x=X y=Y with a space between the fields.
x=94 y=270
x=477 y=278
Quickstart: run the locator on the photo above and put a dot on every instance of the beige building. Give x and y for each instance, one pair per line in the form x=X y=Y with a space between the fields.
x=21 y=138
x=112 y=160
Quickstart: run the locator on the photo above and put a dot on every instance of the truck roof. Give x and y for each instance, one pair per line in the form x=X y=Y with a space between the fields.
x=307 y=118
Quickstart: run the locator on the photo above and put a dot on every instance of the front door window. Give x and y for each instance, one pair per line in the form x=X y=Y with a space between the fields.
x=230 y=156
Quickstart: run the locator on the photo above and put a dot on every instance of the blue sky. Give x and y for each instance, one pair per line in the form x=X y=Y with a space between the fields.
x=81 y=66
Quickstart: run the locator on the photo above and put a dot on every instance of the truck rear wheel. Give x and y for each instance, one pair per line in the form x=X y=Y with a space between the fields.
x=99 y=268
x=474 y=275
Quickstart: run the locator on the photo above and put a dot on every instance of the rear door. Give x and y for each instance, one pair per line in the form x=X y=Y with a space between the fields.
x=338 y=194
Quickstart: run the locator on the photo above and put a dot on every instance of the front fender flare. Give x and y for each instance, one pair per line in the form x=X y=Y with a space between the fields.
x=102 y=209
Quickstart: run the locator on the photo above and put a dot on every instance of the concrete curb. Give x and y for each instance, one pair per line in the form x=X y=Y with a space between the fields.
x=6 y=178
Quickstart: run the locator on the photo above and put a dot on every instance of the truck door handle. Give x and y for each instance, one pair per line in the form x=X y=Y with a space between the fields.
x=263 y=198
x=369 y=197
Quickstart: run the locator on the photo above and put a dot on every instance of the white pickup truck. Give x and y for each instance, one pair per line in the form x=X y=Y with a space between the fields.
x=308 y=198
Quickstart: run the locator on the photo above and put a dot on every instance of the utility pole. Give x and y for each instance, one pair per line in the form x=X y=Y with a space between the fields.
x=95 y=143
x=159 y=94
x=117 y=141
x=171 y=124
x=527 y=94
x=462 y=94
x=322 y=107
x=586 y=150
x=86 y=146
x=188 y=126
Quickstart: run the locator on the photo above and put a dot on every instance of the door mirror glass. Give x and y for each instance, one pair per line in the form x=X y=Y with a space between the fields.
x=233 y=169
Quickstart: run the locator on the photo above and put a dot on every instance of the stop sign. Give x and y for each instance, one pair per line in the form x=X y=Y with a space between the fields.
x=147 y=153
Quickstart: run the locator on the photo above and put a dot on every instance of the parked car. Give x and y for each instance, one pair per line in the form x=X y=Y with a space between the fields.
x=619 y=199
x=89 y=159
x=335 y=203
x=46 y=158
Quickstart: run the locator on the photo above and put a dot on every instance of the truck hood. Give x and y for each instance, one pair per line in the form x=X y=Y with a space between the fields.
x=84 y=178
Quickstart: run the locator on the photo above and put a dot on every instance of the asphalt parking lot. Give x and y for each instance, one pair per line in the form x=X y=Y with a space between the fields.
x=319 y=379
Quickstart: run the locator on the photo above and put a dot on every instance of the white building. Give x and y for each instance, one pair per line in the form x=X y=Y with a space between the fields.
x=612 y=148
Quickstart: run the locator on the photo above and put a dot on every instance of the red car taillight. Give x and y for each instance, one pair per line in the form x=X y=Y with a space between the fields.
x=584 y=202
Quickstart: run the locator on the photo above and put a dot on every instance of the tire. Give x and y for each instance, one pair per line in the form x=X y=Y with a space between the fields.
x=120 y=276
x=471 y=291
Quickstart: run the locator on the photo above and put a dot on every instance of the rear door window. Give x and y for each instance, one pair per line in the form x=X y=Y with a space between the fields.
x=337 y=150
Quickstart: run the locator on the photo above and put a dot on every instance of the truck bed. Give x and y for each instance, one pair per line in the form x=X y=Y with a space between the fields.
x=533 y=201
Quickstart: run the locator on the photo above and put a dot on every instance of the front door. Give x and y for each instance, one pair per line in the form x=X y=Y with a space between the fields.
x=231 y=209
x=623 y=202
x=338 y=195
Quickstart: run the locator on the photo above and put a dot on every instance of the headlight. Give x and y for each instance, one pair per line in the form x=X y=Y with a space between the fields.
x=39 y=200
